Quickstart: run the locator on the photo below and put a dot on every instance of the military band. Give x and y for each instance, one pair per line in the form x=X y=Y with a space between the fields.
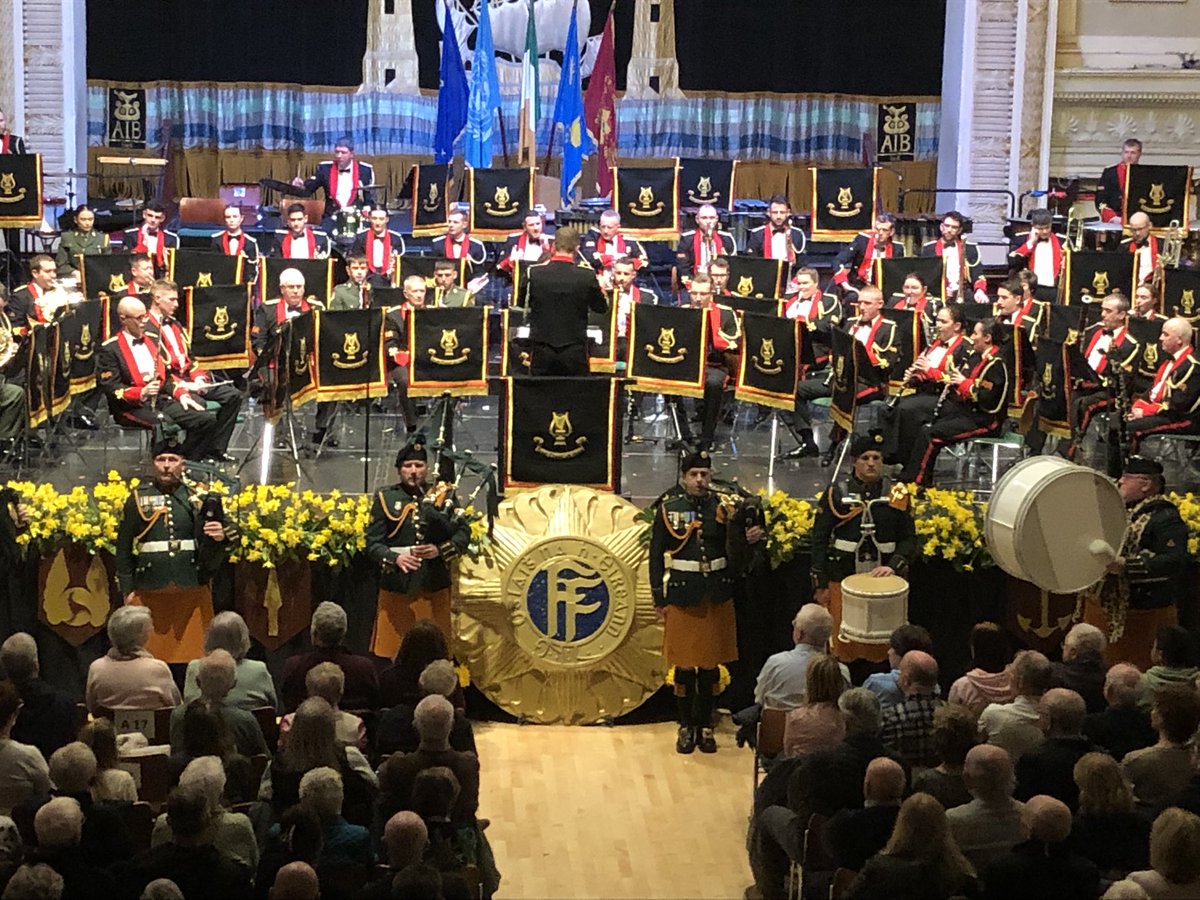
x=962 y=267
x=703 y=244
x=855 y=266
x=151 y=238
x=778 y=238
x=233 y=240
x=81 y=240
x=300 y=240
x=1102 y=372
x=379 y=246
x=605 y=243
x=344 y=179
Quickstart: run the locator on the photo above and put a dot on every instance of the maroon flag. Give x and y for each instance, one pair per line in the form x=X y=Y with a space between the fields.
x=600 y=110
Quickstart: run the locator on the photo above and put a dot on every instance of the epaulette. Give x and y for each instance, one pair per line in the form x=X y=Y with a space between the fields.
x=110 y=340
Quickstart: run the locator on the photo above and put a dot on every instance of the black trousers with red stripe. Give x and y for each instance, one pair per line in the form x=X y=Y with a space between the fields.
x=957 y=422
x=1137 y=429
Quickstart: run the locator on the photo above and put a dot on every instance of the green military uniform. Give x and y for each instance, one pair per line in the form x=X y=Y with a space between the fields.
x=166 y=561
x=401 y=519
x=349 y=295
x=75 y=243
x=454 y=296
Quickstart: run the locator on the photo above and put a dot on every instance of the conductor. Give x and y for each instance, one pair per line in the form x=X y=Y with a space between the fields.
x=560 y=296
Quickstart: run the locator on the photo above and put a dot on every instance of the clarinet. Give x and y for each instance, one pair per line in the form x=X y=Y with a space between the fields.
x=945 y=394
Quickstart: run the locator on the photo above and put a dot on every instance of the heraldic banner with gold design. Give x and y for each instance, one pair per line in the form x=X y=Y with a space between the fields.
x=647 y=200
x=218 y=321
x=103 y=275
x=1161 y=192
x=848 y=357
x=296 y=349
x=1095 y=273
x=318 y=277
x=666 y=349
x=203 y=268
x=448 y=351
x=561 y=431
x=349 y=353
x=770 y=360
x=430 y=199
x=756 y=276
x=1053 y=366
x=890 y=275
x=843 y=202
x=499 y=199
x=1181 y=293
x=77 y=590
x=711 y=181
x=20 y=190
x=81 y=331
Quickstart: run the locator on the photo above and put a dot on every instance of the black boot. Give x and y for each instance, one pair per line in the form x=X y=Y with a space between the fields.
x=685 y=690
x=808 y=447
x=702 y=715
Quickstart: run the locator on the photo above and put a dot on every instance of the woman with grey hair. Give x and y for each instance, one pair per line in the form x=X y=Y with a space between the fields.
x=255 y=688
x=232 y=833
x=396 y=733
x=128 y=677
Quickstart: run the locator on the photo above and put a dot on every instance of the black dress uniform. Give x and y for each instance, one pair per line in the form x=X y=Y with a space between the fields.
x=79 y=243
x=600 y=252
x=1110 y=198
x=323 y=178
x=401 y=519
x=970 y=269
x=693 y=253
x=905 y=418
x=761 y=243
x=12 y=143
x=854 y=262
x=317 y=244
x=1171 y=404
x=235 y=245
x=1105 y=360
x=380 y=252
x=560 y=296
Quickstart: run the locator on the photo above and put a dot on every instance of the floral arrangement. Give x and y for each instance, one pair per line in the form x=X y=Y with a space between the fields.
x=789 y=525
x=89 y=517
x=1189 y=510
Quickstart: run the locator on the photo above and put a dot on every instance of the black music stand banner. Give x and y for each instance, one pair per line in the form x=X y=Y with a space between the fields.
x=709 y=181
x=770 y=361
x=756 y=276
x=203 y=268
x=891 y=273
x=448 y=350
x=349 y=354
x=602 y=353
x=910 y=339
x=648 y=201
x=1054 y=366
x=387 y=297
x=430 y=199
x=845 y=352
x=60 y=372
x=81 y=330
x=218 y=322
x=318 y=277
x=36 y=376
x=843 y=202
x=561 y=431
x=20 y=191
x=1161 y=192
x=1145 y=367
x=514 y=355
x=1094 y=274
x=499 y=199
x=296 y=351
x=423 y=266
x=666 y=349
x=104 y=275
x=1181 y=293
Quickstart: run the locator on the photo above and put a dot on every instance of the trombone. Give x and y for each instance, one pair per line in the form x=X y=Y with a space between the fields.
x=1074 y=237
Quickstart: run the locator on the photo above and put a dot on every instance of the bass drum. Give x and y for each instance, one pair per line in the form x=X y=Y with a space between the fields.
x=1055 y=524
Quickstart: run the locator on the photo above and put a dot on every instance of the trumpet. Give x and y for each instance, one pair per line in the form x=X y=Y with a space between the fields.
x=1073 y=240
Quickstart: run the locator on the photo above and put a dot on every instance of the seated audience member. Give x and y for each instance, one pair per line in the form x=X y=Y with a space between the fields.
x=327 y=681
x=202 y=733
x=312 y=743
x=418 y=880
x=254 y=688
x=328 y=634
x=128 y=677
x=24 y=775
x=111 y=784
x=1049 y=768
x=920 y=859
x=989 y=681
x=59 y=828
x=1160 y=772
x=105 y=838
x=423 y=644
x=955 y=732
x=296 y=881
x=885 y=685
x=1106 y=829
x=992 y=823
x=296 y=838
x=216 y=676
x=396 y=733
x=241 y=794
x=162 y=889
x=189 y=858
x=1082 y=668
x=452 y=848
x=35 y=881
x=783 y=678
x=853 y=836
x=818 y=723
x=1123 y=726
x=231 y=833
x=12 y=849
x=405 y=838
x=1014 y=726
x=908 y=725
x=343 y=844
x=47 y=716
x=1174 y=857
x=1046 y=865
x=1174 y=659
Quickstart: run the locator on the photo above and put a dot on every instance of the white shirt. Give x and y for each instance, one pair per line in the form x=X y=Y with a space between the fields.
x=151 y=241
x=1145 y=267
x=291 y=311
x=935 y=355
x=345 y=187
x=377 y=260
x=624 y=308
x=143 y=357
x=1160 y=386
x=862 y=333
x=780 y=242
x=299 y=248
x=809 y=310
x=532 y=251
x=1042 y=262
x=1099 y=351
x=953 y=263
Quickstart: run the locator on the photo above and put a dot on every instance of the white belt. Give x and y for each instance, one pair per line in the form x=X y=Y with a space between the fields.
x=166 y=546
x=851 y=546
x=704 y=565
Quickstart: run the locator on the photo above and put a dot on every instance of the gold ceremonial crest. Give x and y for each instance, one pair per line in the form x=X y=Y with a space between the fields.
x=86 y=345
x=79 y=604
x=432 y=200
x=560 y=430
x=221 y=316
x=300 y=366
x=703 y=192
x=745 y=285
x=766 y=361
x=703 y=186
x=646 y=205
x=560 y=427
x=204 y=279
x=221 y=329
x=1151 y=354
x=8 y=181
x=666 y=339
x=1187 y=300
x=1100 y=282
x=8 y=188
x=501 y=204
x=449 y=342
x=846 y=206
x=116 y=282
x=1158 y=202
x=664 y=349
x=448 y=345
x=646 y=196
x=353 y=355
x=501 y=196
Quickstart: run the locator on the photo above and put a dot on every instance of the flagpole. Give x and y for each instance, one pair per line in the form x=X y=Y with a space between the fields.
x=503 y=136
x=550 y=148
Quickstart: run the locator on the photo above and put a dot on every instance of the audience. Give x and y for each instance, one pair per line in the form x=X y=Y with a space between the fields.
x=955 y=732
x=1014 y=726
x=297 y=837
x=216 y=675
x=1160 y=772
x=992 y=823
x=1174 y=662
x=202 y=733
x=24 y=775
x=34 y=882
x=12 y=849
x=1174 y=857
x=47 y=716
x=405 y=838
x=128 y=677
x=59 y=828
x=105 y=837
x=783 y=680
x=254 y=687
x=1046 y=865
x=162 y=889
x=396 y=733
x=1049 y=768
x=989 y=681
x=1106 y=829
x=886 y=685
x=1082 y=668
x=111 y=784
x=423 y=644
x=1123 y=726
x=295 y=881
x=328 y=634
x=328 y=682
x=818 y=723
x=230 y=833
x=908 y=725
x=343 y=844
x=853 y=836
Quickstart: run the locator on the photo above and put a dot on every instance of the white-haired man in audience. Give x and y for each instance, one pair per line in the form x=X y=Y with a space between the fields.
x=1082 y=668
x=47 y=716
x=1123 y=726
x=1049 y=768
x=993 y=822
x=328 y=633
x=59 y=829
x=216 y=676
x=782 y=680
x=1045 y=860
x=396 y=733
x=1015 y=726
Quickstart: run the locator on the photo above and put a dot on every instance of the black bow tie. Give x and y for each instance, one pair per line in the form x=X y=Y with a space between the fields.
x=137 y=341
x=781 y=230
x=1108 y=331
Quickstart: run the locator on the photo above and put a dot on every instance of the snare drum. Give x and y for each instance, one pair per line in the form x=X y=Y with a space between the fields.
x=347 y=222
x=872 y=608
x=1102 y=235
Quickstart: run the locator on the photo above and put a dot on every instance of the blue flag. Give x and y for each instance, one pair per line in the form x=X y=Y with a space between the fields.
x=568 y=112
x=485 y=96
x=452 y=95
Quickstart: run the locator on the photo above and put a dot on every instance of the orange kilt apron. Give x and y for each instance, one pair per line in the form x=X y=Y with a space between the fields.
x=396 y=613
x=849 y=651
x=700 y=637
x=181 y=616
x=1141 y=628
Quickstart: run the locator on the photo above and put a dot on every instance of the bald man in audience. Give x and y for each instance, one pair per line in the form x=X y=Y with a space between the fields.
x=993 y=822
x=1045 y=864
x=1015 y=726
x=1049 y=768
x=908 y=725
x=855 y=835
x=405 y=838
x=295 y=881
x=1124 y=726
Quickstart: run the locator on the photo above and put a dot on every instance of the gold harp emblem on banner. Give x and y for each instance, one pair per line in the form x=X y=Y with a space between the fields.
x=560 y=430
x=766 y=361
x=87 y=346
x=204 y=279
x=1049 y=388
x=846 y=206
x=1072 y=336
x=1159 y=202
x=1151 y=355
x=501 y=204
x=353 y=355
x=221 y=328
x=433 y=200
x=646 y=205
x=9 y=192
x=704 y=192
x=745 y=285
x=301 y=364
x=666 y=351
x=117 y=282
x=448 y=346
x=839 y=374
x=1187 y=301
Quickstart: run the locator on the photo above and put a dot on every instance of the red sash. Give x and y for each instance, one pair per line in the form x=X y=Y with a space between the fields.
x=180 y=361
x=286 y=244
x=718 y=248
x=5 y=141
x=935 y=373
x=714 y=328
x=868 y=261
x=159 y=253
x=1163 y=376
x=36 y=311
x=964 y=387
x=869 y=343
x=1117 y=337
x=132 y=290
x=281 y=310
x=918 y=307
x=452 y=250
x=334 y=174
x=518 y=250
x=125 y=344
x=241 y=242
x=1152 y=244
x=387 y=251
x=619 y=248
x=768 y=242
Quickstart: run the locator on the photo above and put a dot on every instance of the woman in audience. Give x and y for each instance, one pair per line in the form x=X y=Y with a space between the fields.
x=344 y=844
x=311 y=743
x=1174 y=662
x=328 y=681
x=818 y=723
x=255 y=687
x=1174 y=857
x=297 y=838
x=24 y=775
x=396 y=732
x=955 y=732
x=422 y=645
x=112 y=784
x=128 y=677
x=1160 y=773
x=232 y=833
x=202 y=733
x=1106 y=829
x=989 y=681
x=921 y=860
